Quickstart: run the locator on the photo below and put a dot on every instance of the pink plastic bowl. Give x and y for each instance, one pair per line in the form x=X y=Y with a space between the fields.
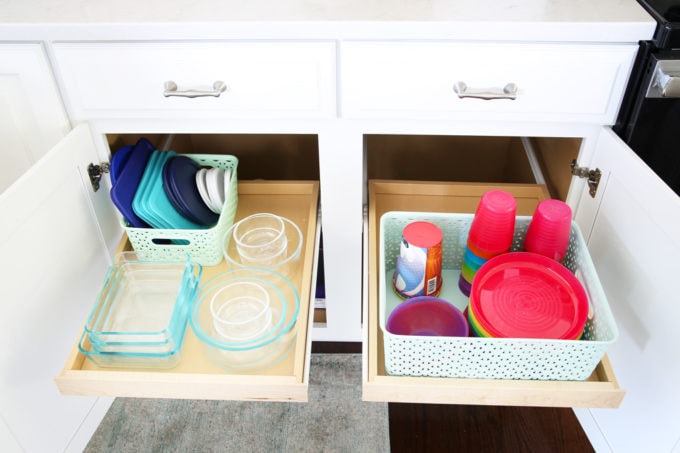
x=427 y=316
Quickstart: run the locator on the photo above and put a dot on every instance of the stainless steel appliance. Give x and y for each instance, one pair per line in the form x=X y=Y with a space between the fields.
x=649 y=118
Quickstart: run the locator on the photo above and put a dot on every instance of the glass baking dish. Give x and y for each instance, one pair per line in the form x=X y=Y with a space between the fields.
x=140 y=314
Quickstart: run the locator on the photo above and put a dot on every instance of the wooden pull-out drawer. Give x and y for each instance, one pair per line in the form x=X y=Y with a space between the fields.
x=599 y=390
x=211 y=80
x=195 y=376
x=445 y=80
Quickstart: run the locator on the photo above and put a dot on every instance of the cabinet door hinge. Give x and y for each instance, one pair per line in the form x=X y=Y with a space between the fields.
x=592 y=176
x=95 y=173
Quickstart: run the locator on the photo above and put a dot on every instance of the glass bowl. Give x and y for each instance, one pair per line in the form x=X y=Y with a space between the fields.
x=257 y=353
x=285 y=262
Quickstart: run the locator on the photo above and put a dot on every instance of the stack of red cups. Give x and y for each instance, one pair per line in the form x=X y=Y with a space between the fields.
x=491 y=233
x=549 y=230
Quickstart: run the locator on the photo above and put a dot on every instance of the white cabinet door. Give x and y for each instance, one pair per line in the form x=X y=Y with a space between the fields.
x=54 y=259
x=635 y=245
x=32 y=119
x=8 y=442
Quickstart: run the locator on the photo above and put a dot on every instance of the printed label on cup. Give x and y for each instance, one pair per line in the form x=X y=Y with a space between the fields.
x=419 y=264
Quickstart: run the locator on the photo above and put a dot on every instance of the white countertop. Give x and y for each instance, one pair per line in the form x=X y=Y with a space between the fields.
x=547 y=20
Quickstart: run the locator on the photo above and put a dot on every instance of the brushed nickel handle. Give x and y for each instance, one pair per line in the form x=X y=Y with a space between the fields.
x=509 y=91
x=171 y=89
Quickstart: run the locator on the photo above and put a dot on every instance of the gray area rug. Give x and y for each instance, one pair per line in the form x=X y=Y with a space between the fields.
x=334 y=420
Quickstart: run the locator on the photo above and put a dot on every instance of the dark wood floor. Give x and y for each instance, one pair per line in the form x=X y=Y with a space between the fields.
x=431 y=428
x=478 y=429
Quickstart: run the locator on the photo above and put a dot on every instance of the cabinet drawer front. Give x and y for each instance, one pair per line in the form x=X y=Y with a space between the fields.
x=416 y=80
x=262 y=80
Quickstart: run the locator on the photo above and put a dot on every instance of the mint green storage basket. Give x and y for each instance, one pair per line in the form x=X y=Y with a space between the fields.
x=204 y=246
x=492 y=358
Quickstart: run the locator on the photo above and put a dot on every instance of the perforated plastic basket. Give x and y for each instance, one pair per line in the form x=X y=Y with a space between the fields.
x=493 y=358
x=203 y=245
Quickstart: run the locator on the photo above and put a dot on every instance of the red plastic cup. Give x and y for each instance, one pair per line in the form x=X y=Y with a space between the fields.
x=548 y=232
x=493 y=226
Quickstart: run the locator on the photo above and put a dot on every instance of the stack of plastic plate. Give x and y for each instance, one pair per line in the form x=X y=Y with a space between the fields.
x=527 y=295
x=140 y=315
x=256 y=351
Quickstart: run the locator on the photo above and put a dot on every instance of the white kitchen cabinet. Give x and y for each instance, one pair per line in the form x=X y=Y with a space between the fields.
x=344 y=82
x=32 y=118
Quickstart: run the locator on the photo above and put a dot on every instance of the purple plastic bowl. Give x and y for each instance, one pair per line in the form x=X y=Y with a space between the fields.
x=427 y=316
x=464 y=286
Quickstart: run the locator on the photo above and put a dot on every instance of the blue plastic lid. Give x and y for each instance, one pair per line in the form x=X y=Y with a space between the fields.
x=128 y=180
x=153 y=204
x=118 y=161
x=179 y=176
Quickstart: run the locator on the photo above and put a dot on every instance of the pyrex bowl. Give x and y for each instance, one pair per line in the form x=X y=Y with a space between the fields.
x=260 y=237
x=255 y=359
x=241 y=310
x=255 y=353
x=284 y=263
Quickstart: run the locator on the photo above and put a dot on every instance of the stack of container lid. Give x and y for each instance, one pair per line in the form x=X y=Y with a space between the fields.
x=164 y=190
x=491 y=234
x=141 y=313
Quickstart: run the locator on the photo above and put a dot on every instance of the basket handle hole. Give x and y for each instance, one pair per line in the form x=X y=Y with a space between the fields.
x=160 y=241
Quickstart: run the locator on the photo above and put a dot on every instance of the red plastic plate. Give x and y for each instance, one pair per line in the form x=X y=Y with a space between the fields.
x=526 y=295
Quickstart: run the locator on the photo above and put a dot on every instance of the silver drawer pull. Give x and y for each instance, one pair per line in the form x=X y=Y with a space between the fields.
x=509 y=91
x=171 y=89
